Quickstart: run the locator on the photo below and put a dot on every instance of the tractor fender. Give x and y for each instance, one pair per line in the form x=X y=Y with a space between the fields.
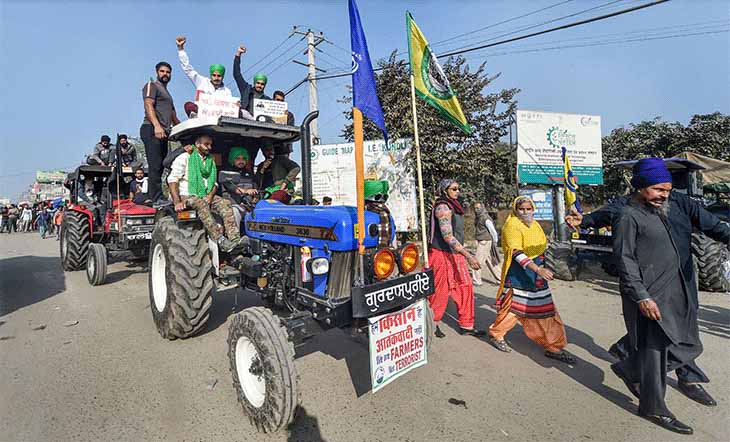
x=87 y=213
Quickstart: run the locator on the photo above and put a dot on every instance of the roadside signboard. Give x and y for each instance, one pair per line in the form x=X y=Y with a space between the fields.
x=333 y=175
x=48 y=176
x=275 y=110
x=397 y=344
x=541 y=135
x=215 y=106
x=543 y=199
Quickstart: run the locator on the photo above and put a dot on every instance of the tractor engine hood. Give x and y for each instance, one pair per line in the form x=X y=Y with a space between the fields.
x=312 y=226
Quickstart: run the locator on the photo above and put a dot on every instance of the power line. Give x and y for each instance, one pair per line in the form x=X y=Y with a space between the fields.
x=267 y=54
x=522 y=37
x=557 y=28
x=438 y=43
x=284 y=54
x=604 y=43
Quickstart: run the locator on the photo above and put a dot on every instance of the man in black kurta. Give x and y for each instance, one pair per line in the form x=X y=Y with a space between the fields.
x=660 y=309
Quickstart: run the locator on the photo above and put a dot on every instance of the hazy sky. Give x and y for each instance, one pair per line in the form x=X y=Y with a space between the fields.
x=72 y=70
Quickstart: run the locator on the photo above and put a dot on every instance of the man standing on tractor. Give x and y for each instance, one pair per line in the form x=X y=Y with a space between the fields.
x=248 y=93
x=159 y=117
x=279 y=96
x=192 y=182
x=213 y=85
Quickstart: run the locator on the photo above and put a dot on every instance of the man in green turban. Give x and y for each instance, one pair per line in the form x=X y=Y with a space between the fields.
x=248 y=92
x=238 y=183
x=213 y=85
x=192 y=183
x=376 y=190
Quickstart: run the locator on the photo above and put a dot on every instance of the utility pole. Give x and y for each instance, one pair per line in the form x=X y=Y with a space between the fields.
x=312 y=42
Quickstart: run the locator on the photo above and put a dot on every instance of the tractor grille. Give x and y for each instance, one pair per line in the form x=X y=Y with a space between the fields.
x=343 y=267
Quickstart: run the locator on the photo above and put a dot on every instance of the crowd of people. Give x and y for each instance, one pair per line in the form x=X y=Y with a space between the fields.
x=43 y=217
x=652 y=231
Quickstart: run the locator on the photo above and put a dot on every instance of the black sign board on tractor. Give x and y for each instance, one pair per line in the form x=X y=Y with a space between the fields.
x=381 y=297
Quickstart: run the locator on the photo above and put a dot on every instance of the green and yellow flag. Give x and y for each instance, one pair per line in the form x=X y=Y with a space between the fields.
x=430 y=80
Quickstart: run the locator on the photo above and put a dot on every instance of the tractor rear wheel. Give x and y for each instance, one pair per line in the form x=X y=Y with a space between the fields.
x=262 y=365
x=180 y=279
x=96 y=264
x=560 y=259
x=710 y=255
x=74 y=241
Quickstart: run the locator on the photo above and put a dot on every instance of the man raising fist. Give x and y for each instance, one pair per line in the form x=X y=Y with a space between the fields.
x=213 y=85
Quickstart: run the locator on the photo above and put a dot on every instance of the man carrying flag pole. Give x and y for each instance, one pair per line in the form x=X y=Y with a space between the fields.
x=364 y=102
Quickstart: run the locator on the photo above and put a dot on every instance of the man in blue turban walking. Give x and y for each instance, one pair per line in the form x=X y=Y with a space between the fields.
x=651 y=246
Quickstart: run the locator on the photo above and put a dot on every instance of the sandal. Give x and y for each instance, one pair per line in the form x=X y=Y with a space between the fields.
x=561 y=356
x=500 y=344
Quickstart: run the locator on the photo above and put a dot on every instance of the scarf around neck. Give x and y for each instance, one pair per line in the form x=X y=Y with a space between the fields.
x=201 y=175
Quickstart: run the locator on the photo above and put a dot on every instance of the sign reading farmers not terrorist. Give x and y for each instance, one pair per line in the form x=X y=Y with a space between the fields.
x=216 y=106
x=397 y=344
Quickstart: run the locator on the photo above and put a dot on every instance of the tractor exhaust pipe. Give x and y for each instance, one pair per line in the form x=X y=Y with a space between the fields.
x=307 y=156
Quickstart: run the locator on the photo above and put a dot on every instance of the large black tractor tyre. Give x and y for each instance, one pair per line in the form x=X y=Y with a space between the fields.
x=180 y=279
x=262 y=365
x=709 y=256
x=96 y=264
x=559 y=258
x=74 y=241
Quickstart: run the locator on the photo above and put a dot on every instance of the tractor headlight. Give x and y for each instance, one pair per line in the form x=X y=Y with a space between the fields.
x=134 y=221
x=383 y=263
x=320 y=266
x=409 y=257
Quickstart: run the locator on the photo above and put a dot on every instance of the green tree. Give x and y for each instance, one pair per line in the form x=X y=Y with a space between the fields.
x=705 y=134
x=484 y=166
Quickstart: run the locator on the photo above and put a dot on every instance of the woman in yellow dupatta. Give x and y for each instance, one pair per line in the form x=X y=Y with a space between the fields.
x=524 y=295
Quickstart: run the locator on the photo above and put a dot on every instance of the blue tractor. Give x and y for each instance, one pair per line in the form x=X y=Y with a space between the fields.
x=301 y=260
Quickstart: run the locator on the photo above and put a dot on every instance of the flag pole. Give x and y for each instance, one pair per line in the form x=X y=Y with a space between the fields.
x=419 y=174
x=360 y=179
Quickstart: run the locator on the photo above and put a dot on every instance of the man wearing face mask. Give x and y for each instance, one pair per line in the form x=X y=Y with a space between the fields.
x=248 y=92
x=213 y=85
x=660 y=306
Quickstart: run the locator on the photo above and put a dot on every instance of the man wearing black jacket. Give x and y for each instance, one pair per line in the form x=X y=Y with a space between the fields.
x=248 y=92
x=682 y=216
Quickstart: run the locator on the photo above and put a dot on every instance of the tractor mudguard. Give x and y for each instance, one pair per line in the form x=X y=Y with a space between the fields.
x=86 y=212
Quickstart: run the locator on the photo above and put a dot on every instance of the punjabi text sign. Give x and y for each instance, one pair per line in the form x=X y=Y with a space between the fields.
x=397 y=344
x=215 y=106
x=541 y=135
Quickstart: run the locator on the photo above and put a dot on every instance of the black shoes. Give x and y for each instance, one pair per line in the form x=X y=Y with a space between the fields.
x=439 y=333
x=696 y=393
x=633 y=388
x=669 y=423
x=471 y=332
x=562 y=356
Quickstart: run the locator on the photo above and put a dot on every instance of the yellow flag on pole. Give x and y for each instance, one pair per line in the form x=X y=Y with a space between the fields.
x=429 y=78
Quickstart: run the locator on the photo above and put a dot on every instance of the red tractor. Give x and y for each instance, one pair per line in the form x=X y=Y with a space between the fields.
x=102 y=222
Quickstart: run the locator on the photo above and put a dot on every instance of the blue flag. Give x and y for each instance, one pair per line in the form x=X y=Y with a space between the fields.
x=364 y=92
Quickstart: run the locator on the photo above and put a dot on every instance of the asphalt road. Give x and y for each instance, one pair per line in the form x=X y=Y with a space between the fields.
x=86 y=364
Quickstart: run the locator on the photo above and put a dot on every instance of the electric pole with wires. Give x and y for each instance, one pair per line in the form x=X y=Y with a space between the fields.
x=312 y=42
